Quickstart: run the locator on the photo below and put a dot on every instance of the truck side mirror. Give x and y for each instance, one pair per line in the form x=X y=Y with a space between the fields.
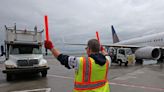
x=2 y=50
x=46 y=52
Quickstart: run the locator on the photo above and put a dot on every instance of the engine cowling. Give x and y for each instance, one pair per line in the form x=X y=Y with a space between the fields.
x=148 y=53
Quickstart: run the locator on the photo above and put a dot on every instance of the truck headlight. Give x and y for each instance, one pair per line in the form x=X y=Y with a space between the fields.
x=10 y=66
x=43 y=62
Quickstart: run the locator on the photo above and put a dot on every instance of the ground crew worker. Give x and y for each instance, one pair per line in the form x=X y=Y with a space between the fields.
x=90 y=71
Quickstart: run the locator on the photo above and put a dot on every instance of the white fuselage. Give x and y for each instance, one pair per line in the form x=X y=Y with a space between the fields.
x=155 y=40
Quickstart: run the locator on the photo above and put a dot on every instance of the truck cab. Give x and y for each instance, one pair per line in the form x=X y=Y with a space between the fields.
x=122 y=55
x=23 y=52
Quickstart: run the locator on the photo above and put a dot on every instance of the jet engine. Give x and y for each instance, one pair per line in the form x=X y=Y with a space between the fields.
x=148 y=53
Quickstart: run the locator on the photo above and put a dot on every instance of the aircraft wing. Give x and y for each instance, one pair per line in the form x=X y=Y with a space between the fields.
x=122 y=46
x=82 y=44
x=108 y=45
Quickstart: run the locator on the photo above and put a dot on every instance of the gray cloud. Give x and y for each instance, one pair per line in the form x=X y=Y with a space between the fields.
x=78 y=20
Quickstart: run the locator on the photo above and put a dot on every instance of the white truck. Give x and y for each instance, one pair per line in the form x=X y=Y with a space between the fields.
x=23 y=52
x=121 y=55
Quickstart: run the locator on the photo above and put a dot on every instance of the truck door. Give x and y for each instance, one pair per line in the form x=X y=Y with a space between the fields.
x=121 y=55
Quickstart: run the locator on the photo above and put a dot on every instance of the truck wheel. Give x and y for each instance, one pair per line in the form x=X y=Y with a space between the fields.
x=126 y=63
x=9 y=77
x=44 y=73
x=120 y=63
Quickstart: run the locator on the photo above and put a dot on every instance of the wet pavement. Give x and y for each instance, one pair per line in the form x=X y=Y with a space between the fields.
x=147 y=78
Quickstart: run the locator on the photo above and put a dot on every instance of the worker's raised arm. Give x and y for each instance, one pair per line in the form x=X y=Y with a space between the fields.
x=68 y=61
x=55 y=52
x=49 y=45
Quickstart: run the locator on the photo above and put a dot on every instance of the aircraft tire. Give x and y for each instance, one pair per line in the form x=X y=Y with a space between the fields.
x=139 y=61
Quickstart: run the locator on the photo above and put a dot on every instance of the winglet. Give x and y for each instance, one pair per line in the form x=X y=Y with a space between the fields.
x=114 y=35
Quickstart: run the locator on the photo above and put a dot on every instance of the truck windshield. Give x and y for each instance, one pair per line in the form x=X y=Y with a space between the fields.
x=25 y=49
x=129 y=52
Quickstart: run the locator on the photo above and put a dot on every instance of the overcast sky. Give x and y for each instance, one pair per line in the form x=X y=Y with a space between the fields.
x=78 y=20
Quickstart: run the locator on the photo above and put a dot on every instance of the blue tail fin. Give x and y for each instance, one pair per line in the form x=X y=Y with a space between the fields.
x=114 y=35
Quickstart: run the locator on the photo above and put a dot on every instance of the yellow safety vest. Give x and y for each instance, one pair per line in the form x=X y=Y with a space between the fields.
x=91 y=77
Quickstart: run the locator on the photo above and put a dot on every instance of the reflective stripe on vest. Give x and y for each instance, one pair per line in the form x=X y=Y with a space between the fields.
x=89 y=85
x=87 y=72
x=86 y=83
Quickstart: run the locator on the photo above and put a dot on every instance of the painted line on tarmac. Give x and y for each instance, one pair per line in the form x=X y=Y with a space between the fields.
x=36 y=90
x=137 y=86
x=58 y=76
x=4 y=84
x=119 y=84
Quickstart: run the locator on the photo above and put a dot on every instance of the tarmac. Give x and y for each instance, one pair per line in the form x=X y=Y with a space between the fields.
x=134 y=78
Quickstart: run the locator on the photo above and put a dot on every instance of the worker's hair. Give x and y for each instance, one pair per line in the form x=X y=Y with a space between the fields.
x=94 y=45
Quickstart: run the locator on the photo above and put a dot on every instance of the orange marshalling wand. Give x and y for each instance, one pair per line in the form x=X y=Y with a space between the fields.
x=97 y=36
x=46 y=27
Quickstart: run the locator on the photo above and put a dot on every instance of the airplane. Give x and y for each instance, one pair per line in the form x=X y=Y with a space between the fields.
x=145 y=47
